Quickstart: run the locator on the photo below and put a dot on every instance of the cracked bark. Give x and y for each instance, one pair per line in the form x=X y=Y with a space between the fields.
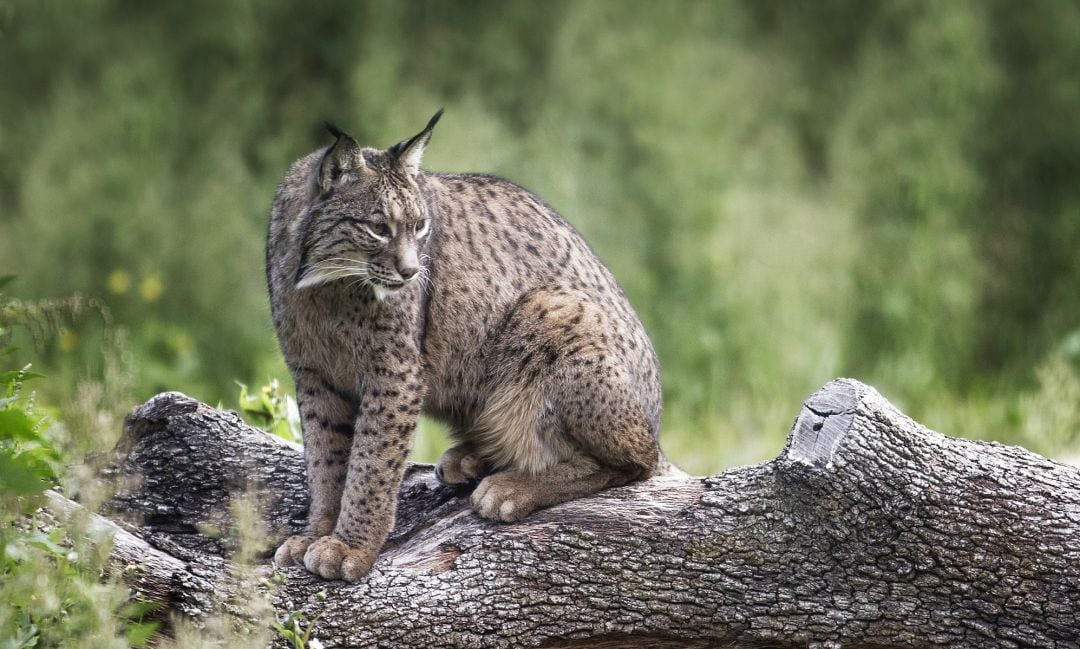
x=868 y=530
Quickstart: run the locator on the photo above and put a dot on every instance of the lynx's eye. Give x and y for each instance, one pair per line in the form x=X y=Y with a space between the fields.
x=420 y=228
x=378 y=230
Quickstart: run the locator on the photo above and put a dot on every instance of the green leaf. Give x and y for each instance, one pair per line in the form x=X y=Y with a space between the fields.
x=16 y=424
x=18 y=479
x=285 y=632
x=139 y=608
x=138 y=635
x=42 y=541
x=6 y=279
x=27 y=636
x=19 y=375
x=41 y=461
x=290 y=619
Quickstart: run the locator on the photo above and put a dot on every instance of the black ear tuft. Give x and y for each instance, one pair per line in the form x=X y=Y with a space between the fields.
x=409 y=152
x=434 y=120
x=335 y=131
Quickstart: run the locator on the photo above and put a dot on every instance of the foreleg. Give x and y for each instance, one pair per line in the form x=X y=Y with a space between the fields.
x=328 y=416
x=380 y=446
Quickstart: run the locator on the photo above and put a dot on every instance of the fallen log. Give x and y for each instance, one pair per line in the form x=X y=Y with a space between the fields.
x=868 y=530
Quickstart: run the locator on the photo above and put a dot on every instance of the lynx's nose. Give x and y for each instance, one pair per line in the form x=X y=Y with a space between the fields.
x=408 y=262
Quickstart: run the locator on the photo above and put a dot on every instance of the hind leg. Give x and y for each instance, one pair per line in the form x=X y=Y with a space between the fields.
x=573 y=408
x=600 y=439
x=512 y=495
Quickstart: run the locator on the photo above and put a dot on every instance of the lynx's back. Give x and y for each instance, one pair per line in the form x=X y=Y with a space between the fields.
x=512 y=278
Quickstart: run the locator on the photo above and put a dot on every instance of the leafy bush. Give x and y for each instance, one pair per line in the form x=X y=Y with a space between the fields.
x=28 y=458
x=50 y=571
x=271 y=409
x=53 y=588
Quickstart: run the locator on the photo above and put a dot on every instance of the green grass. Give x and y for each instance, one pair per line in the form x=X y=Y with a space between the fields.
x=51 y=590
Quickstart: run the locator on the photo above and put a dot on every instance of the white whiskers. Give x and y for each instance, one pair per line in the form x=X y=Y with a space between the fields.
x=424 y=276
x=363 y=274
x=332 y=269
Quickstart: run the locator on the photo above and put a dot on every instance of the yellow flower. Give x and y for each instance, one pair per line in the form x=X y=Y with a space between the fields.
x=119 y=281
x=184 y=345
x=67 y=340
x=151 y=287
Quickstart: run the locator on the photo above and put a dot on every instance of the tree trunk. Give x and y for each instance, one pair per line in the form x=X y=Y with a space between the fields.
x=867 y=531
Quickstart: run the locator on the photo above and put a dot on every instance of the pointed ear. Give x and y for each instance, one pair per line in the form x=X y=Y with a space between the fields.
x=341 y=158
x=409 y=152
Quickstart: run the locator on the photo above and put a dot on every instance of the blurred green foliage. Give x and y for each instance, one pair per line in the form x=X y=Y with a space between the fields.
x=788 y=191
x=58 y=586
x=52 y=591
x=272 y=410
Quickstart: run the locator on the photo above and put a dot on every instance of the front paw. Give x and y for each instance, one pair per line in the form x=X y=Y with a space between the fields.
x=506 y=496
x=332 y=558
x=291 y=552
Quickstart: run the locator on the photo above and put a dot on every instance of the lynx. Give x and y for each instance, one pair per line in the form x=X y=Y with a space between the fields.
x=396 y=291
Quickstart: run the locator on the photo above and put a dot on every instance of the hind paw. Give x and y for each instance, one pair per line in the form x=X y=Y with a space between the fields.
x=506 y=496
x=459 y=465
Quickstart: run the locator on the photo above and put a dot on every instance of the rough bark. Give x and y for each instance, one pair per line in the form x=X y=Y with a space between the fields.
x=185 y=583
x=868 y=530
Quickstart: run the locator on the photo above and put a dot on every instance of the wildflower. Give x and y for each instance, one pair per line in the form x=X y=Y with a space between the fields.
x=151 y=287
x=118 y=282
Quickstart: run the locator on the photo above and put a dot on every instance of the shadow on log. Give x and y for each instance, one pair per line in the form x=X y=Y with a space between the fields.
x=867 y=531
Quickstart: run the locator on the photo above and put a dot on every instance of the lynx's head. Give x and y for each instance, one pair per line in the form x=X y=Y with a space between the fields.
x=368 y=221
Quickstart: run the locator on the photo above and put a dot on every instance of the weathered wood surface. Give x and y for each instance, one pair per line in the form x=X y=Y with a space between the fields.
x=868 y=530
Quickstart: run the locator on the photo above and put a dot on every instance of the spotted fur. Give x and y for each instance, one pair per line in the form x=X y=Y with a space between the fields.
x=397 y=291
